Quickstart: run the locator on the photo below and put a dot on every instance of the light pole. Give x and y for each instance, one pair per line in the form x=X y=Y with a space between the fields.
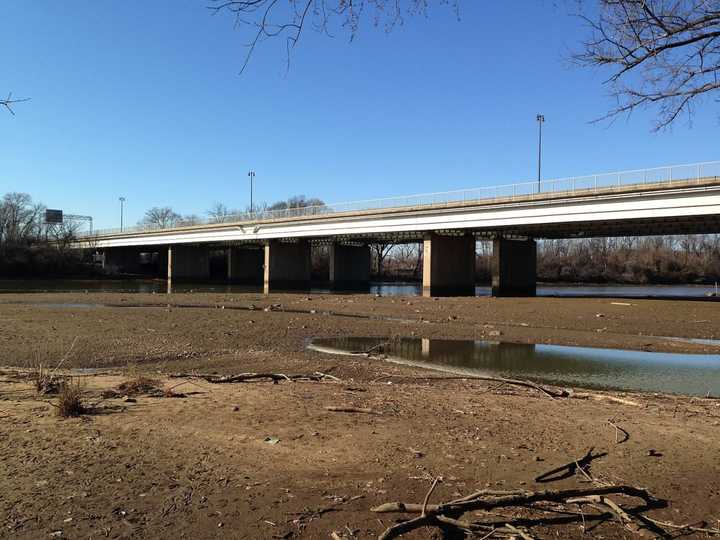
x=540 y=120
x=122 y=209
x=251 y=174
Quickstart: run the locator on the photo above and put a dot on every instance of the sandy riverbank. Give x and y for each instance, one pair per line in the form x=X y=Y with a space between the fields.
x=198 y=466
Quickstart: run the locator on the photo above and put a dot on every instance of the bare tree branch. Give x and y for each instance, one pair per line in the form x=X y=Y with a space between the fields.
x=9 y=102
x=664 y=53
x=272 y=18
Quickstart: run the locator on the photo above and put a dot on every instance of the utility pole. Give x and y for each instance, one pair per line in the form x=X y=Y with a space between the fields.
x=251 y=174
x=540 y=120
x=122 y=211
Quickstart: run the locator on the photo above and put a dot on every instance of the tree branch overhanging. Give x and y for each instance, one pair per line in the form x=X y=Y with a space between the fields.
x=9 y=102
x=663 y=53
x=289 y=19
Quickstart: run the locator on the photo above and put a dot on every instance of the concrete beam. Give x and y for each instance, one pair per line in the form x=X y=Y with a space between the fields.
x=349 y=267
x=245 y=265
x=449 y=265
x=188 y=262
x=287 y=265
x=514 y=268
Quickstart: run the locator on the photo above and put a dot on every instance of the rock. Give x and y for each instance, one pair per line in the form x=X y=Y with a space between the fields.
x=494 y=333
x=235 y=408
x=128 y=399
x=599 y=315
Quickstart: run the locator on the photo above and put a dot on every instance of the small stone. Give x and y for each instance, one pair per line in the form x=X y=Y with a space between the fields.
x=235 y=408
x=128 y=399
x=494 y=333
x=599 y=315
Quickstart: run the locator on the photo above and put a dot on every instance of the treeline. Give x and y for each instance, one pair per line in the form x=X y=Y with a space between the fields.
x=628 y=260
x=29 y=247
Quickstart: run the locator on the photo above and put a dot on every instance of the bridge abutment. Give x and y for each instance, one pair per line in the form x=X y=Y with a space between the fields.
x=287 y=265
x=514 y=267
x=449 y=265
x=349 y=267
x=245 y=265
x=188 y=262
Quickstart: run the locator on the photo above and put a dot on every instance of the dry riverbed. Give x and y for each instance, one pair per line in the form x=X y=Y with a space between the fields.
x=264 y=460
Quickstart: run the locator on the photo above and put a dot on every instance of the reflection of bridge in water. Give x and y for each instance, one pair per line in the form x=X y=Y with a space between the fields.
x=574 y=366
x=274 y=248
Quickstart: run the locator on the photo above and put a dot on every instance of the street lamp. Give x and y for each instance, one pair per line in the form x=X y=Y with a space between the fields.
x=251 y=174
x=122 y=209
x=540 y=120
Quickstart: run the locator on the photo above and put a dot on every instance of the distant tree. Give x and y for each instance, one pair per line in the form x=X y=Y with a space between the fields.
x=219 y=213
x=297 y=201
x=190 y=219
x=664 y=53
x=160 y=217
x=21 y=220
x=272 y=19
x=378 y=252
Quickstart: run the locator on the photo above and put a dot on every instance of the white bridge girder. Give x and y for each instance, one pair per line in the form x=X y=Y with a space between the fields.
x=695 y=207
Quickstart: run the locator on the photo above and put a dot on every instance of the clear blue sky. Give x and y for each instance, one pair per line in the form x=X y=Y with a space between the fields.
x=144 y=99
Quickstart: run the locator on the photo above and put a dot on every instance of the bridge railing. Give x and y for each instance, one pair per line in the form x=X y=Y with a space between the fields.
x=675 y=174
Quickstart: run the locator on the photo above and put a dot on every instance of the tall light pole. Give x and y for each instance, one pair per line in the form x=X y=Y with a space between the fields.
x=251 y=174
x=540 y=120
x=122 y=211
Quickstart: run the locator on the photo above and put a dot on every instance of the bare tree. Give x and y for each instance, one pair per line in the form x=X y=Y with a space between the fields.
x=664 y=53
x=273 y=19
x=160 y=217
x=9 y=102
x=379 y=251
x=219 y=213
x=20 y=219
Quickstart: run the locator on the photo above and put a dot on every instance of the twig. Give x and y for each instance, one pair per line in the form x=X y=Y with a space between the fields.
x=332 y=408
x=619 y=429
x=427 y=496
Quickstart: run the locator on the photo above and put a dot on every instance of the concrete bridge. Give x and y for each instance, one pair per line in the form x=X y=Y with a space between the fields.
x=274 y=247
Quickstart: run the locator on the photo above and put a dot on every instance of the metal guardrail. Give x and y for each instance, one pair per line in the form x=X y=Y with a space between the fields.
x=674 y=174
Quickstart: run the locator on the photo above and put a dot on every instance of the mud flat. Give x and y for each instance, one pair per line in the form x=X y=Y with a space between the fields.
x=286 y=460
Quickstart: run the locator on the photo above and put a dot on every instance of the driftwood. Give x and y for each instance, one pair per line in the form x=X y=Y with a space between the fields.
x=350 y=410
x=255 y=377
x=446 y=515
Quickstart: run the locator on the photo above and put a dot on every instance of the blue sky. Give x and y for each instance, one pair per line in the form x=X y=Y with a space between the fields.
x=145 y=100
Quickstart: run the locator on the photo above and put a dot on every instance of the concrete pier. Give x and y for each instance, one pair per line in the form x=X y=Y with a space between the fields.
x=449 y=265
x=245 y=265
x=287 y=265
x=188 y=262
x=514 y=268
x=349 y=267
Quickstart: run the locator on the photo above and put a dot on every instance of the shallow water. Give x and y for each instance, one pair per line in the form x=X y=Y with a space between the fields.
x=691 y=374
x=382 y=288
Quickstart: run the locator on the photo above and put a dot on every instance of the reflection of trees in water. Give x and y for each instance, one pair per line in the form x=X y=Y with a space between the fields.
x=574 y=366
x=483 y=356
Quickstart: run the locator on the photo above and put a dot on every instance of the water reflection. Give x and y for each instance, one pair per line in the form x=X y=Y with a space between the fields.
x=378 y=287
x=695 y=374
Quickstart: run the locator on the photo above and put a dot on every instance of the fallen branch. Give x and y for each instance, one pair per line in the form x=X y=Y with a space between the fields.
x=553 y=394
x=446 y=514
x=254 y=377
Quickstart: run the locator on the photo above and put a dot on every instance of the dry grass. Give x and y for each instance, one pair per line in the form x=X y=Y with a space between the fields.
x=45 y=381
x=70 y=402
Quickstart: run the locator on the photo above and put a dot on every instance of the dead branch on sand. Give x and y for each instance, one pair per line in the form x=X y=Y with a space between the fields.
x=350 y=410
x=447 y=515
x=255 y=377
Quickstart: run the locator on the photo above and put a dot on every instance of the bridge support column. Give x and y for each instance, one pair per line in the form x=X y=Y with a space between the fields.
x=449 y=265
x=188 y=262
x=287 y=265
x=245 y=265
x=514 y=267
x=349 y=267
x=123 y=260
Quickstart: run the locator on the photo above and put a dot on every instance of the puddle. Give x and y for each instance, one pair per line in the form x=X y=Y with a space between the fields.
x=612 y=369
